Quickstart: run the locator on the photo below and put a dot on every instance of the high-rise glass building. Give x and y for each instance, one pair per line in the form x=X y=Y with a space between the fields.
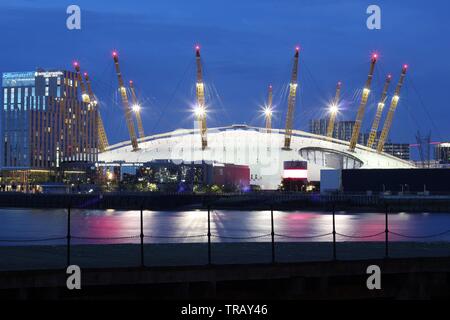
x=342 y=129
x=442 y=153
x=43 y=121
x=399 y=150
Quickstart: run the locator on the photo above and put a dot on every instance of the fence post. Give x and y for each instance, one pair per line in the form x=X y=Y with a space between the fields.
x=334 y=232
x=272 y=233
x=142 y=236
x=386 y=231
x=68 y=236
x=209 y=235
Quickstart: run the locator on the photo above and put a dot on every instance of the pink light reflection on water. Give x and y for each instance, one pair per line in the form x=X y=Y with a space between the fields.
x=31 y=224
x=111 y=225
x=302 y=224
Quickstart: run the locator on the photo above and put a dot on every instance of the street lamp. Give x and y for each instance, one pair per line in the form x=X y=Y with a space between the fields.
x=110 y=175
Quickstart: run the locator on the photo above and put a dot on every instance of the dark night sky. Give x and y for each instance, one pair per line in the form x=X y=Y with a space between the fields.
x=245 y=46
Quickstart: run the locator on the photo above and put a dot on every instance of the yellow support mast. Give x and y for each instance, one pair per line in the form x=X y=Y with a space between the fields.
x=392 y=107
x=200 y=109
x=334 y=109
x=84 y=95
x=82 y=120
x=268 y=111
x=291 y=102
x=380 y=107
x=137 y=110
x=102 y=138
x=362 y=105
x=126 y=105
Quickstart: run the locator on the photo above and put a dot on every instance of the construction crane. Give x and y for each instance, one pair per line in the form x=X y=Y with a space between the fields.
x=362 y=105
x=137 y=110
x=102 y=138
x=291 y=102
x=268 y=111
x=380 y=107
x=126 y=105
x=392 y=107
x=334 y=108
x=200 y=109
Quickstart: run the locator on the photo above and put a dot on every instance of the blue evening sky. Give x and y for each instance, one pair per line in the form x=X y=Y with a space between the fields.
x=245 y=46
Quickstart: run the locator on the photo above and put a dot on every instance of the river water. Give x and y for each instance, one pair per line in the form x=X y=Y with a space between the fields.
x=112 y=226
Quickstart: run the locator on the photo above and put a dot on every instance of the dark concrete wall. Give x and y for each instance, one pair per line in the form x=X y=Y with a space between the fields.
x=423 y=278
x=435 y=180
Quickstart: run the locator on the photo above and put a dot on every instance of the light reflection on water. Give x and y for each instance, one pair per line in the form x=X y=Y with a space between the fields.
x=183 y=226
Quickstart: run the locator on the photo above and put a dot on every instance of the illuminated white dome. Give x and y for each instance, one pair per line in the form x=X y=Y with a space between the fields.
x=255 y=147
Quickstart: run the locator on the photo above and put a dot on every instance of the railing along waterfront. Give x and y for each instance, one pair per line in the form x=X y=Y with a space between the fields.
x=273 y=236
